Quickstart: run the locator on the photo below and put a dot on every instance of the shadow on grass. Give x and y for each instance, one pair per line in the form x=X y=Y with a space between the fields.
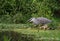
x=14 y=36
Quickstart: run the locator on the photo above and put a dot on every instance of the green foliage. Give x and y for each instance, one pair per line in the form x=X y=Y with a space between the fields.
x=29 y=35
x=6 y=38
x=15 y=26
x=19 y=11
x=53 y=26
x=14 y=36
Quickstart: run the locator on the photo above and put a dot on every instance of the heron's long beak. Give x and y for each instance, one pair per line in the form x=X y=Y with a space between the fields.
x=29 y=21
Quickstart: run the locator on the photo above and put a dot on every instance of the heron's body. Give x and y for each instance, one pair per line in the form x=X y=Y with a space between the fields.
x=43 y=20
x=40 y=20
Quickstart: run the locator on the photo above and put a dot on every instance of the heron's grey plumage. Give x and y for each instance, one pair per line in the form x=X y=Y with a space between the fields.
x=40 y=20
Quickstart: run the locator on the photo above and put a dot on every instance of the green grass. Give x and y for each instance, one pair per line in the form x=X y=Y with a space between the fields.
x=14 y=26
x=44 y=35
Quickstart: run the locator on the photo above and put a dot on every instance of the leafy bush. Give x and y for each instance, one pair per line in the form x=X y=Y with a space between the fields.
x=19 y=11
x=54 y=24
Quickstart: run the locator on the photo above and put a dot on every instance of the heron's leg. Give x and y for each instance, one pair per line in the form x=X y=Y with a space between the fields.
x=35 y=26
x=40 y=26
x=45 y=27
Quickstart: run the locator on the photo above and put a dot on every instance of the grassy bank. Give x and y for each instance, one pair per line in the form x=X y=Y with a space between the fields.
x=30 y=35
x=24 y=32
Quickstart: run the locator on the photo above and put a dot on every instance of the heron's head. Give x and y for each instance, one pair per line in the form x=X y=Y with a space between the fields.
x=31 y=19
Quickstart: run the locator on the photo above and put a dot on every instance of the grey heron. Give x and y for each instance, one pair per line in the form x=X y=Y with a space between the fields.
x=40 y=21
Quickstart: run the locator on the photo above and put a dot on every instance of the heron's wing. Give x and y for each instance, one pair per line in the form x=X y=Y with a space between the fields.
x=43 y=20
